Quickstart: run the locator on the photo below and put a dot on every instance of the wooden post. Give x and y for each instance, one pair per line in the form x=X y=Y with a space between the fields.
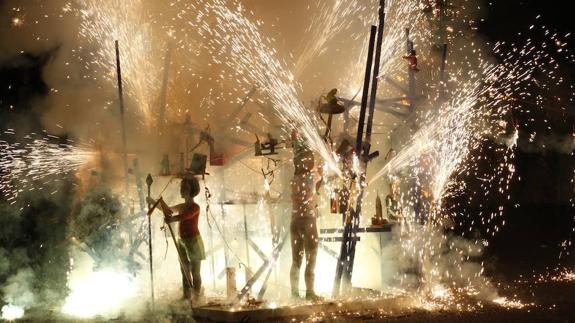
x=122 y=117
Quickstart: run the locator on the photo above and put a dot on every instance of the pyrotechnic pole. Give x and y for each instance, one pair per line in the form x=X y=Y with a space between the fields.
x=410 y=72
x=374 y=80
x=365 y=94
x=164 y=90
x=149 y=181
x=343 y=252
x=122 y=117
x=367 y=157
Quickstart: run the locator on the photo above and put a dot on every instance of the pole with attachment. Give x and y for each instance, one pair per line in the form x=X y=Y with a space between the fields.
x=374 y=80
x=122 y=117
x=149 y=181
x=343 y=255
x=367 y=156
x=365 y=94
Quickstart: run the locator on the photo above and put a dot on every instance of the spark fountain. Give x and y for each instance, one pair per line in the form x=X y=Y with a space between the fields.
x=102 y=23
x=24 y=165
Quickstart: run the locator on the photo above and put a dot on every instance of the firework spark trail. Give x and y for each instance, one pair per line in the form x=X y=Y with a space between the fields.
x=330 y=19
x=451 y=142
x=25 y=165
x=452 y=132
x=399 y=15
x=124 y=20
x=236 y=42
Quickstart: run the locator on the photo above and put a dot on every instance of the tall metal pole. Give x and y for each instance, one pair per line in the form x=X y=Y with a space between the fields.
x=357 y=211
x=365 y=94
x=149 y=181
x=122 y=117
x=410 y=72
x=375 y=71
x=343 y=252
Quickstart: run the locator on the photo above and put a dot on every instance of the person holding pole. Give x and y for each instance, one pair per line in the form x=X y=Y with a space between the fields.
x=190 y=244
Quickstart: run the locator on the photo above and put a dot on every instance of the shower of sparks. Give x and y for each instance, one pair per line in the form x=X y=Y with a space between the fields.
x=102 y=23
x=399 y=15
x=451 y=142
x=29 y=166
x=236 y=42
x=330 y=19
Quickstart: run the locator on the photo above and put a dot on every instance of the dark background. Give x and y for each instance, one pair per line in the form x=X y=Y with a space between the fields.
x=544 y=217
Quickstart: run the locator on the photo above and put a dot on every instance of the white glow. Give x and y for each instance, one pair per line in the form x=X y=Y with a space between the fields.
x=11 y=312
x=98 y=293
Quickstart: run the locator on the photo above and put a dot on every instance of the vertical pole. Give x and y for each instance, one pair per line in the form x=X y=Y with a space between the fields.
x=376 y=63
x=343 y=254
x=410 y=73
x=122 y=117
x=365 y=94
x=149 y=181
x=352 y=236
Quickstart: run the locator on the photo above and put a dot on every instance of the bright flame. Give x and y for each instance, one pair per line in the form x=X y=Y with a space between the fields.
x=99 y=293
x=11 y=312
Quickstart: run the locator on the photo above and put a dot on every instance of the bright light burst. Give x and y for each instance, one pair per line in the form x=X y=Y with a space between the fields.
x=11 y=312
x=29 y=165
x=98 y=293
